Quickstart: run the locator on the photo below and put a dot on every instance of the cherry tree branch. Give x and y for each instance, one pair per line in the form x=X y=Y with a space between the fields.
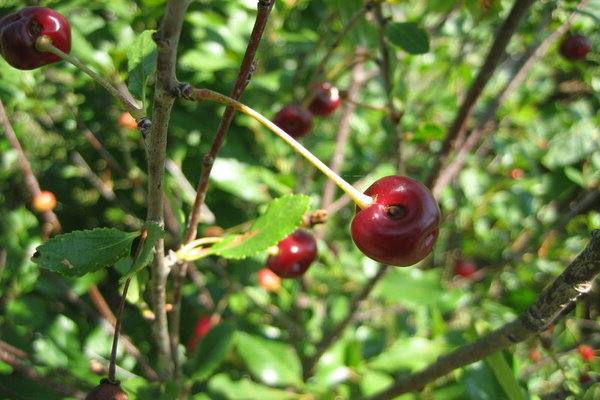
x=485 y=123
x=167 y=39
x=31 y=182
x=576 y=280
x=492 y=60
x=243 y=79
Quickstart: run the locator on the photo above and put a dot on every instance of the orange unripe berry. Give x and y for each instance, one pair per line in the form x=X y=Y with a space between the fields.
x=268 y=280
x=586 y=352
x=44 y=201
x=126 y=120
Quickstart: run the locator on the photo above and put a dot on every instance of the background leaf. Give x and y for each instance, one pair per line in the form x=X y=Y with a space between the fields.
x=141 y=63
x=211 y=350
x=408 y=36
x=154 y=232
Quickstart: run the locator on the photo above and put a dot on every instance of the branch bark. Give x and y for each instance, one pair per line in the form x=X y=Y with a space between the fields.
x=567 y=287
x=167 y=39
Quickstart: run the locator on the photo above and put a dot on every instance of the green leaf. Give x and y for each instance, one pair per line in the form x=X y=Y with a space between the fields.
x=274 y=363
x=281 y=218
x=141 y=63
x=211 y=350
x=246 y=389
x=81 y=252
x=411 y=353
x=154 y=232
x=408 y=36
x=573 y=145
x=505 y=376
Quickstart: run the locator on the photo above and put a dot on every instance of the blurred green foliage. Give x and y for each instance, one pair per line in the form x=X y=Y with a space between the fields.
x=510 y=209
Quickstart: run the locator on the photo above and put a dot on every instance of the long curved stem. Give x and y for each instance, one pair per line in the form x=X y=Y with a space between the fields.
x=361 y=199
x=44 y=43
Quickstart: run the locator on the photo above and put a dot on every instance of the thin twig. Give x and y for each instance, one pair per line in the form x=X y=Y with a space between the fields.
x=243 y=79
x=167 y=39
x=31 y=182
x=336 y=331
x=567 y=288
x=486 y=123
x=492 y=60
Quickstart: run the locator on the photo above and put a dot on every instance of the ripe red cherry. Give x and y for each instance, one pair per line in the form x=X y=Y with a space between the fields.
x=575 y=47
x=294 y=255
x=107 y=390
x=201 y=328
x=327 y=99
x=586 y=352
x=268 y=280
x=19 y=31
x=44 y=201
x=465 y=268
x=400 y=227
x=294 y=120
x=127 y=121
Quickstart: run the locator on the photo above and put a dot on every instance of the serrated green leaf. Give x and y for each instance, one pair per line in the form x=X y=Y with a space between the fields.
x=408 y=36
x=154 y=232
x=81 y=252
x=141 y=63
x=211 y=350
x=274 y=363
x=281 y=218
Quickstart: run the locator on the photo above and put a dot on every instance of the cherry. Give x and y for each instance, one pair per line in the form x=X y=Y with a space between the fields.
x=19 y=32
x=107 y=390
x=202 y=327
x=294 y=254
x=327 y=99
x=516 y=173
x=127 y=121
x=586 y=352
x=294 y=120
x=575 y=47
x=268 y=280
x=400 y=226
x=44 y=201
x=534 y=354
x=465 y=268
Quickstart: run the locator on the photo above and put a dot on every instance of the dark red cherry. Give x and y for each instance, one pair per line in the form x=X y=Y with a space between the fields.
x=400 y=227
x=19 y=31
x=465 y=268
x=294 y=120
x=107 y=390
x=575 y=47
x=294 y=254
x=327 y=99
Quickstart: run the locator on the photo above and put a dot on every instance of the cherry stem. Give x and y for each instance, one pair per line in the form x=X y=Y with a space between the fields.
x=361 y=199
x=44 y=44
x=112 y=365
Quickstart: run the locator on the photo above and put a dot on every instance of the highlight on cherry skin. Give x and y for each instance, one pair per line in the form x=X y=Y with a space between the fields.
x=19 y=32
x=294 y=120
x=401 y=224
x=293 y=255
x=326 y=100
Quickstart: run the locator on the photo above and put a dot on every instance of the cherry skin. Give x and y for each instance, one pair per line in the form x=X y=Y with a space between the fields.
x=107 y=390
x=294 y=120
x=465 y=268
x=401 y=226
x=294 y=255
x=268 y=280
x=127 y=121
x=19 y=32
x=203 y=325
x=327 y=99
x=44 y=201
x=575 y=47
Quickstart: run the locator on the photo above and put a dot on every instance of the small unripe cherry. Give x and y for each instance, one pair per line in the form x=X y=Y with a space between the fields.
x=465 y=268
x=293 y=255
x=107 y=390
x=586 y=352
x=268 y=280
x=44 y=201
x=127 y=121
x=401 y=224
